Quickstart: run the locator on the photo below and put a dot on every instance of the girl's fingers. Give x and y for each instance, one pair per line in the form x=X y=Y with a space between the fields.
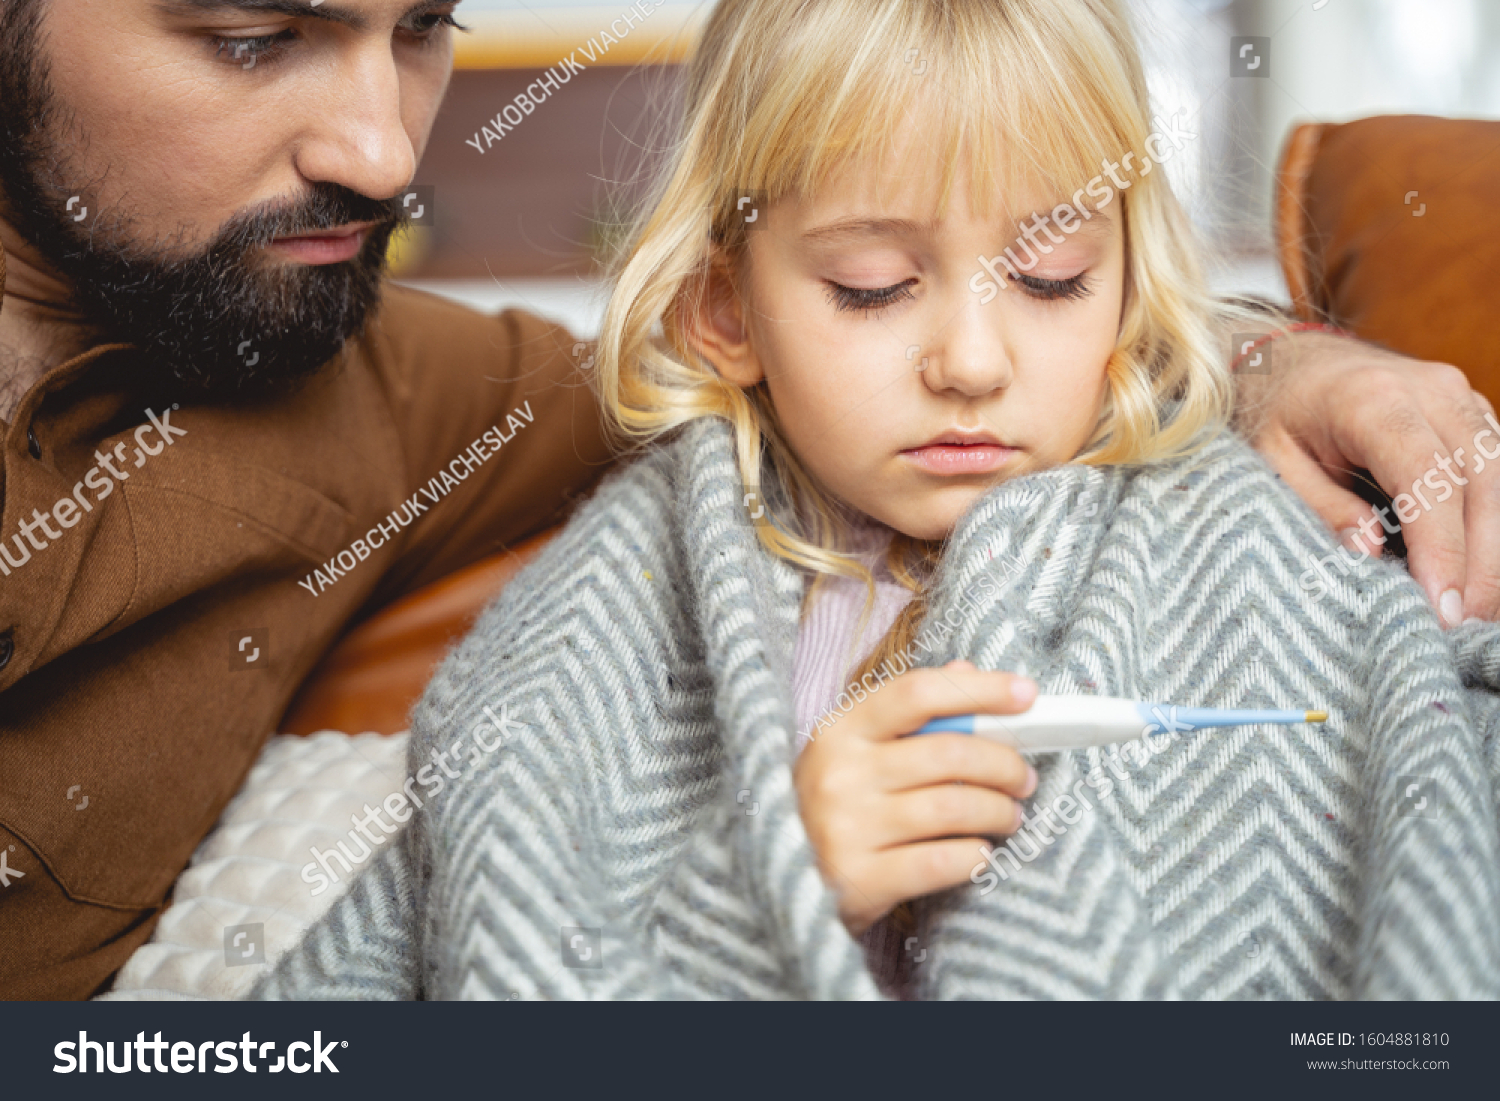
x=945 y=810
x=920 y=696
x=911 y=763
x=911 y=871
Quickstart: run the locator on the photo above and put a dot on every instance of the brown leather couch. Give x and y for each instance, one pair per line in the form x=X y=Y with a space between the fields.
x=1390 y=227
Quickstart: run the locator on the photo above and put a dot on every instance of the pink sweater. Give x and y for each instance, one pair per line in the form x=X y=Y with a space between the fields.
x=827 y=652
x=827 y=649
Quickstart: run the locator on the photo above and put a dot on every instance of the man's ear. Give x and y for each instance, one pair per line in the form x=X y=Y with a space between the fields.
x=716 y=328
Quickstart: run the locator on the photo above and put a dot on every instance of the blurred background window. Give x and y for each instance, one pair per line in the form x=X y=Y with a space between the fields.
x=524 y=221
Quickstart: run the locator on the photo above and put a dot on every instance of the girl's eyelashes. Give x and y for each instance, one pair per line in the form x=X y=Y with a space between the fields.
x=1053 y=290
x=866 y=299
x=248 y=52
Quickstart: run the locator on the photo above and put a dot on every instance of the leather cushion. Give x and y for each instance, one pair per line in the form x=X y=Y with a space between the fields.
x=1390 y=227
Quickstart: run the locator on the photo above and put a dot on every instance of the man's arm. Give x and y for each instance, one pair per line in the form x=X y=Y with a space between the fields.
x=512 y=384
x=1332 y=405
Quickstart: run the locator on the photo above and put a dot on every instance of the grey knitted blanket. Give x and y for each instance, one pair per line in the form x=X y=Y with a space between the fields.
x=638 y=836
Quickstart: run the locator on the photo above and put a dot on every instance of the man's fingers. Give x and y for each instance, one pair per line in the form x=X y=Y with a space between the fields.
x=957 y=689
x=948 y=810
x=912 y=763
x=1340 y=509
x=1482 y=533
x=1429 y=507
x=1402 y=458
x=1464 y=419
x=1421 y=430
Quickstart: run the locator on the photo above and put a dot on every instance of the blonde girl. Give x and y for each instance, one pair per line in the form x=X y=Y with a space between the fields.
x=840 y=321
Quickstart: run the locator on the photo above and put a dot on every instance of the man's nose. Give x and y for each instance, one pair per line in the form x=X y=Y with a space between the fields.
x=969 y=355
x=358 y=137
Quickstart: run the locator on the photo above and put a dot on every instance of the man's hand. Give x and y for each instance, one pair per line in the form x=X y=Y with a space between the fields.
x=1335 y=405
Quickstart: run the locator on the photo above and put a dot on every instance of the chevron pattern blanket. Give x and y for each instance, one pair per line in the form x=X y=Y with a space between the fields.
x=620 y=819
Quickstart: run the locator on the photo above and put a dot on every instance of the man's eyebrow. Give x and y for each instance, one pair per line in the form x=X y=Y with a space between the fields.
x=276 y=7
x=308 y=8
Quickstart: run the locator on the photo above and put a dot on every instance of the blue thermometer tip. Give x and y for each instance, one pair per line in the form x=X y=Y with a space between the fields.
x=1228 y=716
x=953 y=724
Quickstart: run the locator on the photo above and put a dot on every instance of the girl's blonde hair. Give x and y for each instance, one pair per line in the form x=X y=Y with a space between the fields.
x=783 y=93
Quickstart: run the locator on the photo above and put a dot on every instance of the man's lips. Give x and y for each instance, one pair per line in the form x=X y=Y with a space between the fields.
x=961 y=452
x=329 y=246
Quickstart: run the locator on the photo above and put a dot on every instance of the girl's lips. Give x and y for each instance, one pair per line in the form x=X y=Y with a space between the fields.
x=947 y=458
x=321 y=250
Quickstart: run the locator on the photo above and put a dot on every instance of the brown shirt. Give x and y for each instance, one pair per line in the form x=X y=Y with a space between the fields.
x=123 y=684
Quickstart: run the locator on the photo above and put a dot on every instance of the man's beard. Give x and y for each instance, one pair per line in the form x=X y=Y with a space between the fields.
x=212 y=323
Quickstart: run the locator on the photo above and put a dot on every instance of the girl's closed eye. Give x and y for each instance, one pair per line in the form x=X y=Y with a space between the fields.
x=869 y=299
x=1055 y=290
x=873 y=299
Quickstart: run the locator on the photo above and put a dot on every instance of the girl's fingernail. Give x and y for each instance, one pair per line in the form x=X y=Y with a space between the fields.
x=1451 y=606
x=1023 y=690
x=1350 y=540
x=1031 y=779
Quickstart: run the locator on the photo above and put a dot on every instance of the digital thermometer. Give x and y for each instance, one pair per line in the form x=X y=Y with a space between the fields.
x=1056 y=724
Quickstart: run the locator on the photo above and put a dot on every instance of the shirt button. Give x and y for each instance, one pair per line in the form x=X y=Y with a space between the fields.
x=7 y=648
x=31 y=444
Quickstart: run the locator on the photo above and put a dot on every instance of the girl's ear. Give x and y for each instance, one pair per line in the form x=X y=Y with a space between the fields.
x=716 y=328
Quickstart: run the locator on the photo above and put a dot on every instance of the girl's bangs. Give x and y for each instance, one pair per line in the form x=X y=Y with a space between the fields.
x=997 y=88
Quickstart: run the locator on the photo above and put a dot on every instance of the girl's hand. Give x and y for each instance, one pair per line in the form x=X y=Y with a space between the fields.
x=893 y=818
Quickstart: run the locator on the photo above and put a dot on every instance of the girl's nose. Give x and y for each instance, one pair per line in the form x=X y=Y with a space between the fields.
x=969 y=355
